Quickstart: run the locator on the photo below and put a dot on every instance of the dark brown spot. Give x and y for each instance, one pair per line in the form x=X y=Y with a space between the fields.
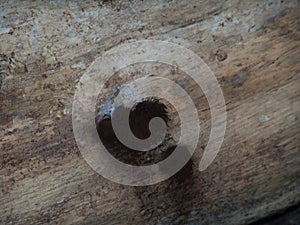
x=221 y=55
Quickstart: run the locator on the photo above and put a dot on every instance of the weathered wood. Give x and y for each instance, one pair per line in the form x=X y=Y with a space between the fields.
x=251 y=46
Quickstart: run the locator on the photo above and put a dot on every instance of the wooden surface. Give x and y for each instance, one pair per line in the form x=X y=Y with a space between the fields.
x=251 y=46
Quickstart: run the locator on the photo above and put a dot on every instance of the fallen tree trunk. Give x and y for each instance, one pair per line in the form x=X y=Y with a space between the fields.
x=251 y=46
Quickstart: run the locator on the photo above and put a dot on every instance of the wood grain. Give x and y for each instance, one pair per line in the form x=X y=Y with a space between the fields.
x=251 y=46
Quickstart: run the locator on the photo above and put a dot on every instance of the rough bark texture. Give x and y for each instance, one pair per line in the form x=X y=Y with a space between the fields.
x=251 y=46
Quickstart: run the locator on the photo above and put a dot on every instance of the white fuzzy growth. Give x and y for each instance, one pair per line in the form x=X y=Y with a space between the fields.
x=127 y=94
x=106 y=108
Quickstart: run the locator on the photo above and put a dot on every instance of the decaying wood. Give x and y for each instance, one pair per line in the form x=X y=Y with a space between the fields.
x=251 y=46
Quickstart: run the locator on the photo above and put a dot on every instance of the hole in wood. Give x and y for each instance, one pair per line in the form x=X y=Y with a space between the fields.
x=139 y=119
